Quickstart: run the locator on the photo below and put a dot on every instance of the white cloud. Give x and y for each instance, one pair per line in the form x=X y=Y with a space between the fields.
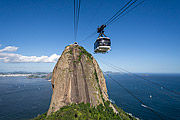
x=9 y=49
x=17 y=58
x=0 y=45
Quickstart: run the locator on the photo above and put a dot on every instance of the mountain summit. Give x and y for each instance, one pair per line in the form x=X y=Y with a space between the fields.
x=77 y=78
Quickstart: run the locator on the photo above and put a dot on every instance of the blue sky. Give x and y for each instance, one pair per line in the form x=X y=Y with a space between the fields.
x=145 y=40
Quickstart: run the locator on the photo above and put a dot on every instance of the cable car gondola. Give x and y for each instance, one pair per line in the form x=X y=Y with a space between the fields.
x=103 y=43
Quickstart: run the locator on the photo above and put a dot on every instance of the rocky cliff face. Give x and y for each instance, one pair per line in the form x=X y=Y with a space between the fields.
x=77 y=78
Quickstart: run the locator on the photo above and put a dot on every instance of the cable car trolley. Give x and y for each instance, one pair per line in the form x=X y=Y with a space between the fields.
x=103 y=43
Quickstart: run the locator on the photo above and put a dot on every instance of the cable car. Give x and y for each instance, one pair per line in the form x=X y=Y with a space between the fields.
x=103 y=43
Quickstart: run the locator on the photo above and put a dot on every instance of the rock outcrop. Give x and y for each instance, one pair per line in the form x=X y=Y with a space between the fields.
x=77 y=78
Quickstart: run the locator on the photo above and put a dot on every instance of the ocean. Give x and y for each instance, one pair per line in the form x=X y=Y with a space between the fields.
x=22 y=98
x=163 y=102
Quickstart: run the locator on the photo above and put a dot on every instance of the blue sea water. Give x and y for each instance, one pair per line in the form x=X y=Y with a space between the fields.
x=163 y=102
x=22 y=98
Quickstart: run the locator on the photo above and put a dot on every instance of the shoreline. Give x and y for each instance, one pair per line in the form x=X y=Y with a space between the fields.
x=14 y=75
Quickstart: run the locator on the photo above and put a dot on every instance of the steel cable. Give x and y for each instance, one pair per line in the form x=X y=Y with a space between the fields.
x=127 y=12
x=118 y=12
x=121 y=12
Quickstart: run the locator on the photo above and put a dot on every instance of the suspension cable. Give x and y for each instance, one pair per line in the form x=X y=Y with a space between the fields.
x=177 y=93
x=121 y=72
x=127 y=12
x=77 y=5
x=74 y=18
x=118 y=12
x=122 y=12
x=78 y=17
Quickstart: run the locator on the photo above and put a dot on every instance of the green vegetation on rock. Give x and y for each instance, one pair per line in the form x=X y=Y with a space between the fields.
x=95 y=73
x=86 y=112
x=83 y=51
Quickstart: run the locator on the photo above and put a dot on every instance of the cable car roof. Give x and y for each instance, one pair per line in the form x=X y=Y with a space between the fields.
x=102 y=37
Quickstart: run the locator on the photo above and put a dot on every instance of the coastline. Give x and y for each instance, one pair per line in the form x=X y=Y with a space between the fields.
x=14 y=75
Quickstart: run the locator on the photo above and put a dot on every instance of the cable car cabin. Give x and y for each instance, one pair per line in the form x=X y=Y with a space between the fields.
x=102 y=45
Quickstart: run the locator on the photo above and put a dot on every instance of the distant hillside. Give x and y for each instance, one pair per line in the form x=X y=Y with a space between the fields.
x=47 y=76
